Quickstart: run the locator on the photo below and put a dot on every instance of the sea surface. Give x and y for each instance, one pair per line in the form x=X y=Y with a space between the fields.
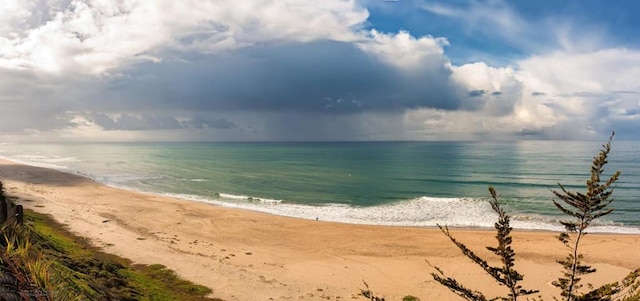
x=381 y=183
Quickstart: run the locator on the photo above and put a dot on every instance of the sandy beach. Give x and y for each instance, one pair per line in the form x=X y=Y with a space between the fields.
x=244 y=255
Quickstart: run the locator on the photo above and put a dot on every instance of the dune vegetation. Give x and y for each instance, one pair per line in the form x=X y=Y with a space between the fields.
x=41 y=260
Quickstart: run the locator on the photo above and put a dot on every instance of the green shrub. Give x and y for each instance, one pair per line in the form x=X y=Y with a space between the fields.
x=50 y=263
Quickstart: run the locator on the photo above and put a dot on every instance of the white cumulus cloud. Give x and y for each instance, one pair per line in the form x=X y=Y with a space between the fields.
x=97 y=35
x=405 y=51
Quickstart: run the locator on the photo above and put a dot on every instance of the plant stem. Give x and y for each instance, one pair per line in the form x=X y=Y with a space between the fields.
x=574 y=264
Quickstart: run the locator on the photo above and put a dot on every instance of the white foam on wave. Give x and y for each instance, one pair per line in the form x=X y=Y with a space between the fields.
x=192 y=180
x=41 y=161
x=424 y=211
x=123 y=180
x=538 y=222
x=248 y=198
x=419 y=212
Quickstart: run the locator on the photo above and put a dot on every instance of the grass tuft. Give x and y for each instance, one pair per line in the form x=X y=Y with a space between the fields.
x=56 y=264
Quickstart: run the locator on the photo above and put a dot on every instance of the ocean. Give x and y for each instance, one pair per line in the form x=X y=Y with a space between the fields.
x=380 y=183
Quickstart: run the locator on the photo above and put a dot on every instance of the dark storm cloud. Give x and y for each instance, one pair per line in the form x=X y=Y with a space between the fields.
x=632 y=112
x=609 y=116
x=213 y=91
x=626 y=92
x=538 y=94
x=327 y=77
x=624 y=128
x=32 y=101
x=496 y=93
x=135 y=123
x=529 y=133
x=157 y=122
x=476 y=93
x=202 y=122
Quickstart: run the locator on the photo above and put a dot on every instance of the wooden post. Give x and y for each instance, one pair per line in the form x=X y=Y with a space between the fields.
x=20 y=215
x=4 y=207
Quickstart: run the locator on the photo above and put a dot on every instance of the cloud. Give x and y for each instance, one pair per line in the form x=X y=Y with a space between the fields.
x=514 y=31
x=312 y=126
x=272 y=55
x=128 y=122
x=476 y=93
x=97 y=36
x=582 y=92
x=405 y=51
x=561 y=95
x=606 y=70
x=300 y=70
x=207 y=122
x=490 y=14
x=490 y=19
x=325 y=76
x=495 y=91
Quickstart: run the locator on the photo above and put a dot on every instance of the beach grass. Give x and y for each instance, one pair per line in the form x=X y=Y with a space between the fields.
x=78 y=270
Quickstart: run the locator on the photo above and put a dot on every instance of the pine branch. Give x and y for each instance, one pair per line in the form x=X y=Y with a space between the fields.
x=625 y=290
x=367 y=293
x=584 y=208
x=504 y=275
x=453 y=285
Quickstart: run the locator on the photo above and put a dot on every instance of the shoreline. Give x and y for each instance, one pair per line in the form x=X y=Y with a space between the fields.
x=544 y=224
x=247 y=255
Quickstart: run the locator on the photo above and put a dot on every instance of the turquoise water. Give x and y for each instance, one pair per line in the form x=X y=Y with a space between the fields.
x=391 y=183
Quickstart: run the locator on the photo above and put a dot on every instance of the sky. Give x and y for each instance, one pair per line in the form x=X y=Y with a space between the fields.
x=309 y=70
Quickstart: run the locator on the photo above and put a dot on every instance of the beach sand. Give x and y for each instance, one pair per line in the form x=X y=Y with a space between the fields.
x=244 y=255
